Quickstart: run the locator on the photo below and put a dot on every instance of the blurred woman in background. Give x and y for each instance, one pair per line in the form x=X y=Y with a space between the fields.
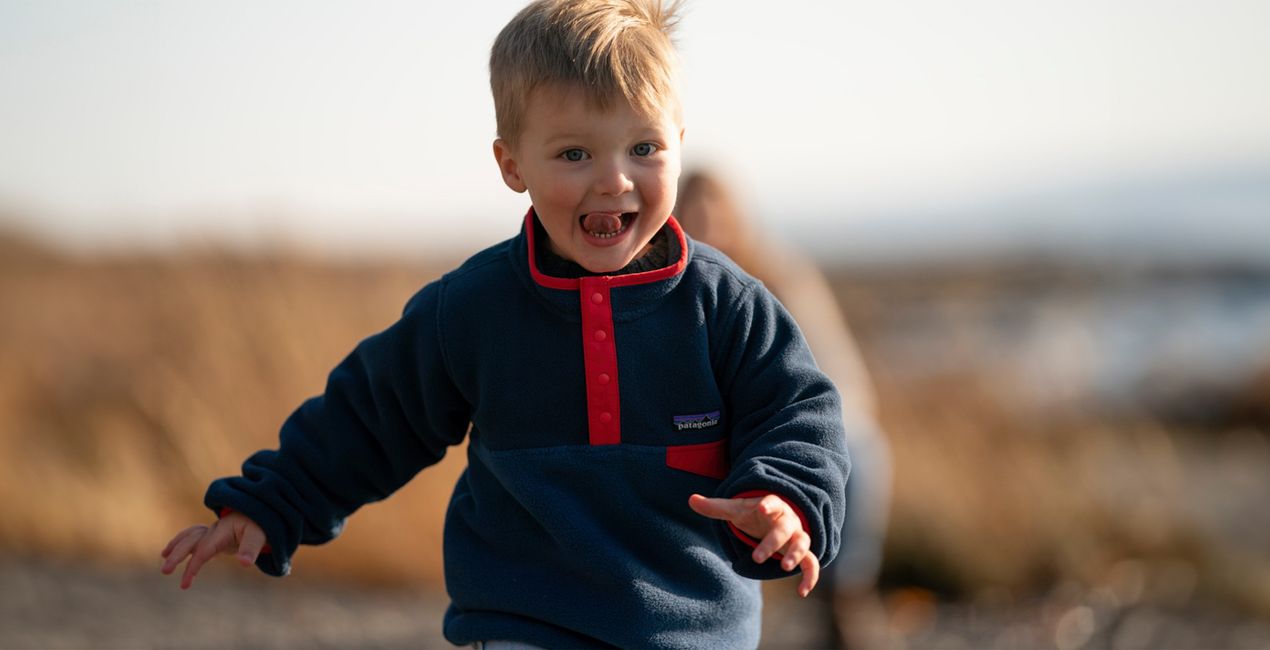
x=709 y=213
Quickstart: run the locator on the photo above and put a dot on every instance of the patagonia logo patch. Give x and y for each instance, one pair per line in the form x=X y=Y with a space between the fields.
x=698 y=421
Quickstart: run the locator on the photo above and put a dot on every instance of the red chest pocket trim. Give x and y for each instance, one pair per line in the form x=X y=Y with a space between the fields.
x=706 y=459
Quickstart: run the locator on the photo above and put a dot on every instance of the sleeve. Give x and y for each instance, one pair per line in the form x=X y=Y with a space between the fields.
x=786 y=434
x=389 y=410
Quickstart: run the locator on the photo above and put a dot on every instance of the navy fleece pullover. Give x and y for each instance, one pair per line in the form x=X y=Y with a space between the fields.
x=597 y=406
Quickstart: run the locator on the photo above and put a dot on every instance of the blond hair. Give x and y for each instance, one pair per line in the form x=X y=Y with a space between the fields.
x=615 y=50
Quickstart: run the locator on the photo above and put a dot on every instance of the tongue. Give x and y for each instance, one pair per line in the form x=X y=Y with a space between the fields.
x=602 y=223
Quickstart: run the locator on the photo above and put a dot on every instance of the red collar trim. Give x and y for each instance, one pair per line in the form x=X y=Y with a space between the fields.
x=656 y=275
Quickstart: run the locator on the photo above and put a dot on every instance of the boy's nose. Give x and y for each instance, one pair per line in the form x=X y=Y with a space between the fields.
x=612 y=179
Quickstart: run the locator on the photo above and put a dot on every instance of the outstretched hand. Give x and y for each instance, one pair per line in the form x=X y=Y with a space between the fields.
x=775 y=524
x=233 y=533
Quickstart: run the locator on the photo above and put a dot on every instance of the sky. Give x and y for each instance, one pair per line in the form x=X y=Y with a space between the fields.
x=853 y=127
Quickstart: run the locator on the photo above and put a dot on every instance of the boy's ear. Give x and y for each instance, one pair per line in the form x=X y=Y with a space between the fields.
x=507 y=165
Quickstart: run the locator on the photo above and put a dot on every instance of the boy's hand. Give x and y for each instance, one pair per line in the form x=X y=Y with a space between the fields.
x=773 y=522
x=232 y=533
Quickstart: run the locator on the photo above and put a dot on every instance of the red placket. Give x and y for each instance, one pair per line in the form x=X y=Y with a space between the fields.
x=599 y=351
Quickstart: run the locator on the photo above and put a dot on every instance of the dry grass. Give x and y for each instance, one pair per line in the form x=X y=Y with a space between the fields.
x=128 y=384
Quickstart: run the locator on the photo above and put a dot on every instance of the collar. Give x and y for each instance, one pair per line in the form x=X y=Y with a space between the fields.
x=626 y=279
x=638 y=294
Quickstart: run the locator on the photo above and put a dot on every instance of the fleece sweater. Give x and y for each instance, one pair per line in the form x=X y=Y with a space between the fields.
x=596 y=406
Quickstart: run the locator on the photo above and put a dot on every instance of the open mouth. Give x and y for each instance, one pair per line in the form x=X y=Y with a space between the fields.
x=606 y=225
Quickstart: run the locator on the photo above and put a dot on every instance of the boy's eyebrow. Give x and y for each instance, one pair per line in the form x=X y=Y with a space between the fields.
x=643 y=133
x=564 y=137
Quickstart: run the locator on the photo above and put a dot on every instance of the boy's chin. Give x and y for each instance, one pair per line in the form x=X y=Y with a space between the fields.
x=607 y=267
x=610 y=264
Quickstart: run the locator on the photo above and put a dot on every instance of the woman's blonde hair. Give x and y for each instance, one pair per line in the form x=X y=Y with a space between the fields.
x=615 y=50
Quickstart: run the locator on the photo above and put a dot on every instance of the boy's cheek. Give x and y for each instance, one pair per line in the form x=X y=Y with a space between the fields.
x=557 y=189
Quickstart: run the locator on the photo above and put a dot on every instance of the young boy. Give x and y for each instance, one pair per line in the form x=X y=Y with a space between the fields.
x=611 y=372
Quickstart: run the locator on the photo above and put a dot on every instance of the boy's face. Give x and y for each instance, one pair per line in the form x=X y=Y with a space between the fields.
x=601 y=182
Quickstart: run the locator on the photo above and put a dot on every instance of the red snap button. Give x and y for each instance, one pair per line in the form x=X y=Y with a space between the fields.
x=600 y=335
x=597 y=298
x=604 y=378
x=605 y=417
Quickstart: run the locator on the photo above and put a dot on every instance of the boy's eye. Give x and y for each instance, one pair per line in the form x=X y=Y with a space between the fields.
x=574 y=155
x=644 y=149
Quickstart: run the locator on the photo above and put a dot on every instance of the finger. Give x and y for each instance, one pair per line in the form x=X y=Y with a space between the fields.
x=167 y=550
x=197 y=560
x=182 y=549
x=798 y=546
x=211 y=544
x=725 y=509
x=775 y=539
x=811 y=574
x=253 y=539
